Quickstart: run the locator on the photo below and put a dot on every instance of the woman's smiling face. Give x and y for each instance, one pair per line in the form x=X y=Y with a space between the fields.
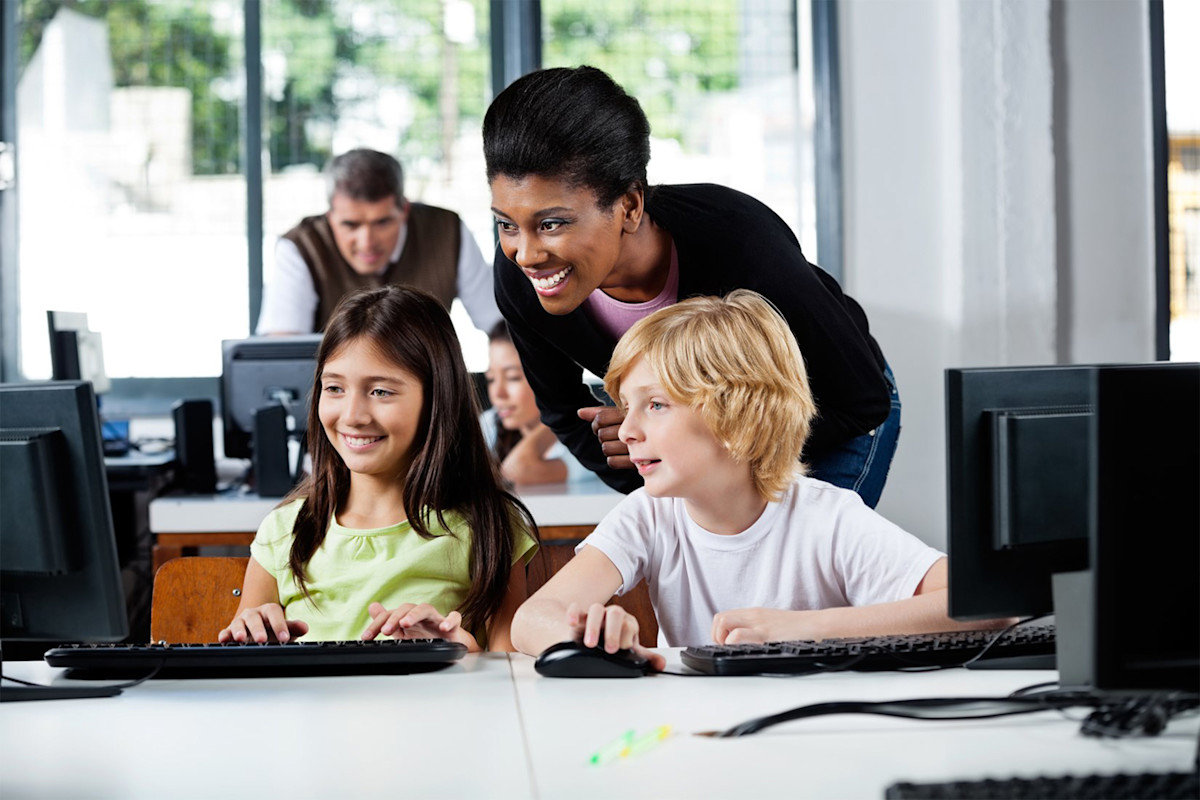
x=566 y=244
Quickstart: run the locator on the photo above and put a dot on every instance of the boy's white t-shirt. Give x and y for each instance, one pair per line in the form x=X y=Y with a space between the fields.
x=818 y=547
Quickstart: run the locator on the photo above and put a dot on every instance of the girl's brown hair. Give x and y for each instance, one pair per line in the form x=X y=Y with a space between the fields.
x=451 y=469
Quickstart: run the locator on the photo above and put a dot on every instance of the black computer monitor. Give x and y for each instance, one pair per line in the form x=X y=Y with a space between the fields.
x=1145 y=546
x=76 y=352
x=1017 y=485
x=265 y=371
x=61 y=580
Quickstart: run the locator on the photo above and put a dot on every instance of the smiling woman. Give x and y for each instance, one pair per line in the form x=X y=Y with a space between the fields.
x=573 y=246
x=588 y=247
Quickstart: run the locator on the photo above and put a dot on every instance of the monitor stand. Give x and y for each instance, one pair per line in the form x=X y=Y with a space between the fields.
x=11 y=691
x=1045 y=661
x=1074 y=597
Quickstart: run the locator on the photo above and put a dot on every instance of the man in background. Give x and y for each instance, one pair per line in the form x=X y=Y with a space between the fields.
x=370 y=236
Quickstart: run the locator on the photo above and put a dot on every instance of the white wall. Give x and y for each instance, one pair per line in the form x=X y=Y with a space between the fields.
x=997 y=176
x=1109 y=164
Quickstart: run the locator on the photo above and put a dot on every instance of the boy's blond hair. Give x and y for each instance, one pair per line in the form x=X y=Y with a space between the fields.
x=735 y=361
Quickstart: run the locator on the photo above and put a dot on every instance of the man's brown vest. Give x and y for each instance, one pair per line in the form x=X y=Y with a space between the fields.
x=429 y=260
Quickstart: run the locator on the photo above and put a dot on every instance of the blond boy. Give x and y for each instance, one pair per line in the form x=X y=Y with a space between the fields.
x=734 y=542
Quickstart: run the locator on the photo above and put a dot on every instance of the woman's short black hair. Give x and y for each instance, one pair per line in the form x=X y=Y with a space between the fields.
x=574 y=124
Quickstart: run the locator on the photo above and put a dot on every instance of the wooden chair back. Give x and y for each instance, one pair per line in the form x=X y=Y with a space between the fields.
x=195 y=597
x=558 y=547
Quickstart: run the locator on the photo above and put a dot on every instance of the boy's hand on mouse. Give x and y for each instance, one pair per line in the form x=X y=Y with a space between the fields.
x=613 y=625
x=412 y=621
x=756 y=625
x=606 y=423
x=262 y=624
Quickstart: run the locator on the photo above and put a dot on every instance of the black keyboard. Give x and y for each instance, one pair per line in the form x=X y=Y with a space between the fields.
x=242 y=659
x=1021 y=647
x=1137 y=786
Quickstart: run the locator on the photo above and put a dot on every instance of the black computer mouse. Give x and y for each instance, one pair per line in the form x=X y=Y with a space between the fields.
x=577 y=660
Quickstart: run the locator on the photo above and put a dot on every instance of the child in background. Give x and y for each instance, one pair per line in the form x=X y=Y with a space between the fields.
x=734 y=542
x=527 y=450
x=402 y=529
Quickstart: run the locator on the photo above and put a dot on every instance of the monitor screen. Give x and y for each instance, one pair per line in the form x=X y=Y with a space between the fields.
x=61 y=581
x=265 y=371
x=76 y=353
x=1146 y=529
x=1017 y=485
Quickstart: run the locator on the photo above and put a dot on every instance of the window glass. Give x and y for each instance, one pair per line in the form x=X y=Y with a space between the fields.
x=720 y=84
x=406 y=77
x=132 y=191
x=132 y=201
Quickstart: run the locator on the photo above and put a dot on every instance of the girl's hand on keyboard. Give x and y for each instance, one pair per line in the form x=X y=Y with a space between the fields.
x=262 y=624
x=410 y=621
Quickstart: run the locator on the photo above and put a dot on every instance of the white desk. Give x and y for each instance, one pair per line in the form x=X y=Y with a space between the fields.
x=185 y=521
x=491 y=727
x=361 y=737
x=838 y=756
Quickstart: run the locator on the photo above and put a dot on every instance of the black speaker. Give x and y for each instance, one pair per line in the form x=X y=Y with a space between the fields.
x=272 y=475
x=195 y=467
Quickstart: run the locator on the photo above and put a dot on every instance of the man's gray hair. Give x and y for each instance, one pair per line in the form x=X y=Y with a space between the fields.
x=363 y=174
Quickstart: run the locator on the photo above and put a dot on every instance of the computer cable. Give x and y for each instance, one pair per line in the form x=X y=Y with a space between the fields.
x=1120 y=716
x=1034 y=688
x=928 y=708
x=1144 y=715
x=1000 y=635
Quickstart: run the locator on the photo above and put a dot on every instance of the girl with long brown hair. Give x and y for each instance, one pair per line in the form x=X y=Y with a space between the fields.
x=403 y=528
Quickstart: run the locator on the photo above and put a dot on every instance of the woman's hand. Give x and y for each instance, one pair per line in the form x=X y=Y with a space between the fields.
x=606 y=424
x=612 y=625
x=413 y=621
x=262 y=624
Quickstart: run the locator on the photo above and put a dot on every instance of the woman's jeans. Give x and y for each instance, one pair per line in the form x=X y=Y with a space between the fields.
x=862 y=463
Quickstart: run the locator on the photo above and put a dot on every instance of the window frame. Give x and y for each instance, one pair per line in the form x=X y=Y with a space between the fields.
x=1160 y=145
x=9 y=319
